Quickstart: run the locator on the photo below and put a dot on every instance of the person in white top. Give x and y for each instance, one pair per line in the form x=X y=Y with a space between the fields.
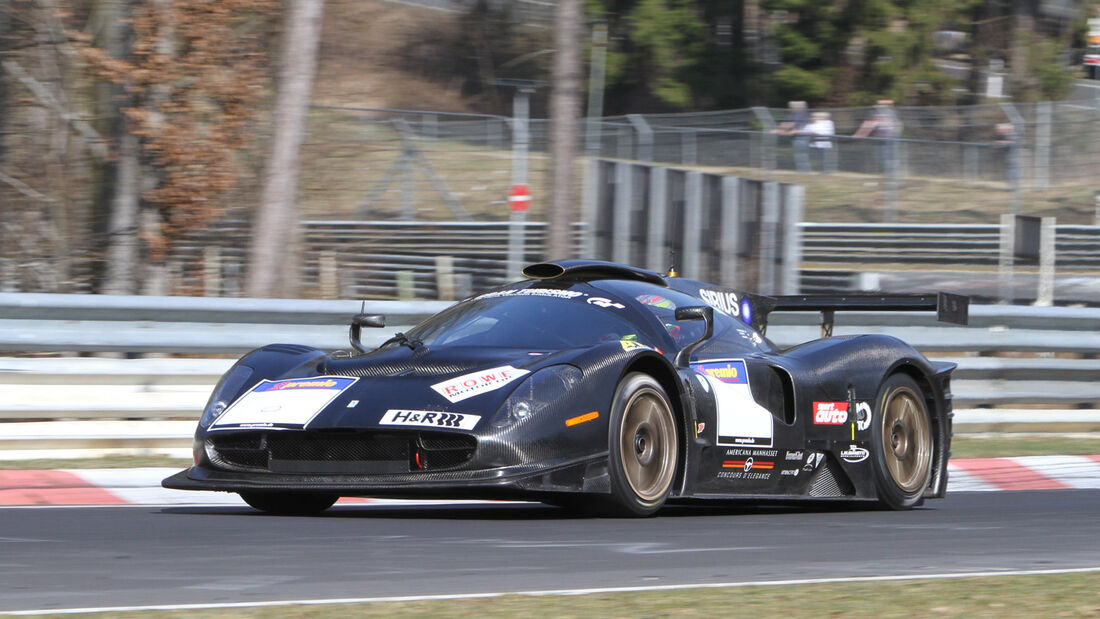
x=821 y=131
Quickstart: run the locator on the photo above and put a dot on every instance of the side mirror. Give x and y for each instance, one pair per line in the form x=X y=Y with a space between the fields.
x=364 y=320
x=696 y=312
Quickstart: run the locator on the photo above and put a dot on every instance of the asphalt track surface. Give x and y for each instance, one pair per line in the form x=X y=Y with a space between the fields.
x=55 y=558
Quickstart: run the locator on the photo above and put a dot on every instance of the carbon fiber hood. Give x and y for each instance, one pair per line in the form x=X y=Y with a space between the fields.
x=467 y=380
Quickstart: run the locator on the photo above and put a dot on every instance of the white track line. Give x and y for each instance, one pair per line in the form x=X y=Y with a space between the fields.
x=561 y=592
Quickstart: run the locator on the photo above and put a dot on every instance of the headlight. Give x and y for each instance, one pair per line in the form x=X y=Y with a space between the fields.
x=536 y=393
x=224 y=393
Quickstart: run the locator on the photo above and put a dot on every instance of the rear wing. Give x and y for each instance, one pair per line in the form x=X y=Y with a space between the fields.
x=954 y=308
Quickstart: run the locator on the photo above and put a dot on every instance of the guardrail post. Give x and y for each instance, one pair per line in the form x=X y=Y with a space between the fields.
x=693 y=223
x=769 y=224
x=791 y=239
x=729 y=269
x=624 y=197
x=327 y=275
x=658 y=219
x=445 y=277
x=1045 y=294
x=590 y=195
x=1007 y=258
x=211 y=271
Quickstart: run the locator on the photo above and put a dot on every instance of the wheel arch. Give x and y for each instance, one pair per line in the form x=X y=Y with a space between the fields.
x=940 y=418
x=665 y=374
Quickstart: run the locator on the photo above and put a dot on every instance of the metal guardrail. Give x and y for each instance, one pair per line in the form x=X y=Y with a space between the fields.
x=1075 y=247
x=108 y=323
x=87 y=406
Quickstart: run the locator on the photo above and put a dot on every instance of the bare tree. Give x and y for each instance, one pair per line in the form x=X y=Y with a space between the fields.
x=565 y=105
x=271 y=256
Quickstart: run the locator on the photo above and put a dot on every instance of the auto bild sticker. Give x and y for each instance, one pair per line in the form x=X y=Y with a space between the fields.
x=863 y=416
x=433 y=419
x=854 y=453
x=741 y=421
x=475 y=383
x=830 y=413
x=282 y=404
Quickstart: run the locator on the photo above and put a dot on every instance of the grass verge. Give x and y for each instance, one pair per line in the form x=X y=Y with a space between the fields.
x=1053 y=595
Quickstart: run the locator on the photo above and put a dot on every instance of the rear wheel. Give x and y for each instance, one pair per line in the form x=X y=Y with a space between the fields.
x=290 y=503
x=901 y=437
x=643 y=444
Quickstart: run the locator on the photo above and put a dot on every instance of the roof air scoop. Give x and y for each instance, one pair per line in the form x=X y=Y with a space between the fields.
x=590 y=270
x=543 y=270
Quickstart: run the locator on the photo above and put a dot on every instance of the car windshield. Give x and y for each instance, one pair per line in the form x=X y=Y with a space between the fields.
x=533 y=318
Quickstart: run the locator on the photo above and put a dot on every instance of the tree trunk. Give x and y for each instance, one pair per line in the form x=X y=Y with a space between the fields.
x=115 y=202
x=123 y=244
x=564 y=117
x=274 y=241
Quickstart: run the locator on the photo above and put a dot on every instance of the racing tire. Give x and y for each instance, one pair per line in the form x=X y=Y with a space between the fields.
x=290 y=503
x=902 y=448
x=643 y=447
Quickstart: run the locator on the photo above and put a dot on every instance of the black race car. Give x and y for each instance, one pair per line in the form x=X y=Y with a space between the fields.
x=590 y=384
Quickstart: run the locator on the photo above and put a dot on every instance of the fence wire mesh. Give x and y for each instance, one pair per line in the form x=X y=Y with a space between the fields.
x=948 y=165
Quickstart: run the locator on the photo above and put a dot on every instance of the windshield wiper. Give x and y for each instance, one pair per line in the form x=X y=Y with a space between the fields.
x=403 y=340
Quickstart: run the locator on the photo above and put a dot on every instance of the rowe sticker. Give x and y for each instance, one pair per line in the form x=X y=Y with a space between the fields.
x=475 y=383
x=433 y=419
x=830 y=413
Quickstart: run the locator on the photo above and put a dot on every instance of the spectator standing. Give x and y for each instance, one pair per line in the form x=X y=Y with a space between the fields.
x=885 y=126
x=795 y=125
x=821 y=131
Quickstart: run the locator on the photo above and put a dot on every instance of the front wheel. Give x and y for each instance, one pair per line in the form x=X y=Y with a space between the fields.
x=901 y=438
x=290 y=503
x=643 y=444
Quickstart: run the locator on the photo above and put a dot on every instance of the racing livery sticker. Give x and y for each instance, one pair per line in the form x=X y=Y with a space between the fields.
x=830 y=413
x=604 y=303
x=813 y=460
x=863 y=416
x=533 y=292
x=475 y=383
x=724 y=301
x=732 y=372
x=434 y=419
x=282 y=404
x=741 y=421
x=748 y=464
x=854 y=454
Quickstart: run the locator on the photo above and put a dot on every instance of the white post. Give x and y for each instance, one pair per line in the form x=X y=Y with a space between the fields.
x=1047 y=240
x=656 y=258
x=445 y=277
x=729 y=269
x=211 y=271
x=1007 y=258
x=693 y=223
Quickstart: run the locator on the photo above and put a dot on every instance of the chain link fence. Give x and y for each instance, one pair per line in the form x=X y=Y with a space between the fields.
x=949 y=165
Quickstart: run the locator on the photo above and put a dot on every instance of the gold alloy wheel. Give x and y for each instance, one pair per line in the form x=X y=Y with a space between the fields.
x=907 y=441
x=647 y=444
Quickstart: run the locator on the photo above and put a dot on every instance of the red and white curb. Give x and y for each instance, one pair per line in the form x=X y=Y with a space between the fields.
x=141 y=486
